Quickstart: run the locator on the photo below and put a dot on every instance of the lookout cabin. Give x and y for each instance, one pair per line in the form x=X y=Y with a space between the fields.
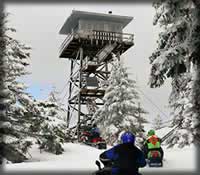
x=98 y=34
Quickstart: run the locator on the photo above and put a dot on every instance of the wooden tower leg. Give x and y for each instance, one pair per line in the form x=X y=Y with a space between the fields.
x=70 y=91
x=106 y=69
x=79 y=96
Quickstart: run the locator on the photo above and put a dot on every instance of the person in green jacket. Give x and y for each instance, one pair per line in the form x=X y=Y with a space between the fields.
x=152 y=143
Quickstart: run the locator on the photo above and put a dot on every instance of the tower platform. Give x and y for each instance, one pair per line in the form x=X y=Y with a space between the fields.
x=93 y=42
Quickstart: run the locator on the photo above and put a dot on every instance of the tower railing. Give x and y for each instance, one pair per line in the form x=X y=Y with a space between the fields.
x=112 y=36
x=99 y=35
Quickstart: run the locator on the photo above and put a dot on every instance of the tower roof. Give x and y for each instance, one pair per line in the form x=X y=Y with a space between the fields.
x=72 y=20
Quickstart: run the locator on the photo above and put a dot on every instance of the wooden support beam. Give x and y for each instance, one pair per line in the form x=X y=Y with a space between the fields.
x=79 y=97
x=100 y=76
x=81 y=113
x=86 y=103
x=70 y=91
x=73 y=98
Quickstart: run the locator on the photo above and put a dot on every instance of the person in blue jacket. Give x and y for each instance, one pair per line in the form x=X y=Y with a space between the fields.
x=126 y=158
x=95 y=132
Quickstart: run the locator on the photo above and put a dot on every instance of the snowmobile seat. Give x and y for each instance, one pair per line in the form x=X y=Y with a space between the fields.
x=154 y=159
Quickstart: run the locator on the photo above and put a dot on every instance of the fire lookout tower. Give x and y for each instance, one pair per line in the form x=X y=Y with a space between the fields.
x=91 y=40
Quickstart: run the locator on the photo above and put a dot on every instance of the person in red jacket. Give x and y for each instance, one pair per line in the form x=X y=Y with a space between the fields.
x=152 y=143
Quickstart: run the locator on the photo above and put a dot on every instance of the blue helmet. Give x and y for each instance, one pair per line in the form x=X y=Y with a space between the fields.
x=128 y=137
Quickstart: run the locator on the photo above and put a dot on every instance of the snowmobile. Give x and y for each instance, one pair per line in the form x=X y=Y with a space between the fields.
x=154 y=159
x=106 y=170
x=95 y=141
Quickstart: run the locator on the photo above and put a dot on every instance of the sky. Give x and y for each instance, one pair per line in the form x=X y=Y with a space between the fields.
x=38 y=26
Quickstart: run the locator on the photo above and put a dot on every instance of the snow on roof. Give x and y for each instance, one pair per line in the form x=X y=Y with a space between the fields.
x=72 y=20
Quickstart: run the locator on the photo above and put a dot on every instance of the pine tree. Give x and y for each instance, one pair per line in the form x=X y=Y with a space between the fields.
x=194 y=44
x=43 y=124
x=25 y=118
x=54 y=98
x=170 y=57
x=52 y=130
x=157 y=122
x=120 y=110
x=4 y=92
x=181 y=104
x=14 y=57
x=176 y=53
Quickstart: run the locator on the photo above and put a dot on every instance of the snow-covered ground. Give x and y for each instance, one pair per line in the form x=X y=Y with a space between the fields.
x=177 y=159
x=79 y=157
x=76 y=157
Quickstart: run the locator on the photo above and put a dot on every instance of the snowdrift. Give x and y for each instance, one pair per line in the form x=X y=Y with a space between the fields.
x=79 y=157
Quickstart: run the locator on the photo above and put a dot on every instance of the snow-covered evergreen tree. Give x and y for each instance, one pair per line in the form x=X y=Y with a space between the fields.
x=56 y=100
x=171 y=55
x=4 y=92
x=43 y=124
x=194 y=44
x=181 y=104
x=176 y=51
x=54 y=96
x=25 y=117
x=120 y=110
x=157 y=122
x=52 y=129
x=15 y=57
